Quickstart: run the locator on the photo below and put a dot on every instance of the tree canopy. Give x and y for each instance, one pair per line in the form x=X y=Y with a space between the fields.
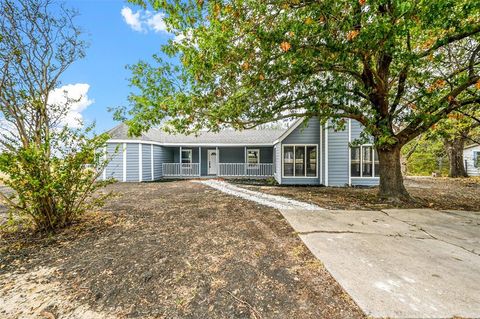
x=396 y=66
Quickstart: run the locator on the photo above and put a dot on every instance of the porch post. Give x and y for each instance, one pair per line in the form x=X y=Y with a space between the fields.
x=180 y=159
x=199 y=161
x=245 y=161
x=218 y=160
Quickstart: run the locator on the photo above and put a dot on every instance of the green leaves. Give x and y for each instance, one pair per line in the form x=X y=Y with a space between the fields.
x=391 y=65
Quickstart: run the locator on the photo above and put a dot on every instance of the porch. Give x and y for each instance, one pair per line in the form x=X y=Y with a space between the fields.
x=204 y=161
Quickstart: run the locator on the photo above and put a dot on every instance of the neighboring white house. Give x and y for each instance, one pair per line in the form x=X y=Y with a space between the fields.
x=471 y=156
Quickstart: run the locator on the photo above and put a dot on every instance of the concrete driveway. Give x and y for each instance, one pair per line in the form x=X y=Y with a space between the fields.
x=415 y=263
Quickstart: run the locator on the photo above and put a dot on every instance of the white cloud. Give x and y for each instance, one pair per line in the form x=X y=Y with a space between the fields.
x=77 y=97
x=157 y=23
x=132 y=19
x=144 y=21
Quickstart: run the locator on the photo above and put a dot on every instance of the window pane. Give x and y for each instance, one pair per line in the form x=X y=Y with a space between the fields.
x=299 y=160
x=476 y=159
x=367 y=161
x=288 y=161
x=377 y=164
x=253 y=157
x=186 y=156
x=355 y=161
x=311 y=161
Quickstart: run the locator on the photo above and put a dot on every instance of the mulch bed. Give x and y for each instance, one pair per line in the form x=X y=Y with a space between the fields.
x=435 y=193
x=182 y=250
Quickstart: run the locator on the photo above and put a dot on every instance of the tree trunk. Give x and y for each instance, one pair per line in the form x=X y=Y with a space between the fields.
x=454 y=148
x=391 y=179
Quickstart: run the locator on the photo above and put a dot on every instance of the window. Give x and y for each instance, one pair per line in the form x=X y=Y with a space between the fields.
x=253 y=157
x=288 y=161
x=476 y=159
x=364 y=161
x=367 y=161
x=355 y=161
x=300 y=161
x=311 y=161
x=376 y=163
x=186 y=156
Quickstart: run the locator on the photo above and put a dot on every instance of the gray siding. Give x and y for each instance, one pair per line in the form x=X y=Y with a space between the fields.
x=468 y=156
x=231 y=155
x=146 y=162
x=132 y=162
x=158 y=159
x=266 y=154
x=114 y=168
x=338 y=161
x=309 y=134
x=365 y=181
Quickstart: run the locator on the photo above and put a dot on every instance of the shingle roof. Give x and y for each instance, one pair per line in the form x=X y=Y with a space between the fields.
x=227 y=136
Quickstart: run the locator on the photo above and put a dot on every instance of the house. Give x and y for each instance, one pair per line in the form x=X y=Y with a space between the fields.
x=303 y=154
x=471 y=156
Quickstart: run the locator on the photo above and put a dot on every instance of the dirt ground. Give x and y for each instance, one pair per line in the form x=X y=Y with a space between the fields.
x=436 y=193
x=170 y=250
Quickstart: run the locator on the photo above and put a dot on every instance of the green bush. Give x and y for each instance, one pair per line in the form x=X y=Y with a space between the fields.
x=56 y=182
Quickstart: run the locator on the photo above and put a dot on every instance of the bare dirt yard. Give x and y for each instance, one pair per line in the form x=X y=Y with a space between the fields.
x=169 y=250
x=435 y=193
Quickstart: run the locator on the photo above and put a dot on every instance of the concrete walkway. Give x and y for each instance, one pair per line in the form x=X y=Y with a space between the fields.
x=415 y=263
x=277 y=202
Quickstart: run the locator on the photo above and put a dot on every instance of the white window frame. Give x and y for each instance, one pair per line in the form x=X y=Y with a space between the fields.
x=305 y=166
x=476 y=159
x=361 y=162
x=190 y=156
x=253 y=165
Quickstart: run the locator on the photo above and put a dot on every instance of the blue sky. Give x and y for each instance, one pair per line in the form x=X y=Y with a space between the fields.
x=114 y=43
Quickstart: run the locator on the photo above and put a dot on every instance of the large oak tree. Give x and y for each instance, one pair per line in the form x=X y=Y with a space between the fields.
x=384 y=63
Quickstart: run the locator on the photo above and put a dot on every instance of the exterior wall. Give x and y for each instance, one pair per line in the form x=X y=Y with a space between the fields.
x=365 y=181
x=338 y=157
x=231 y=155
x=266 y=154
x=146 y=162
x=114 y=168
x=468 y=156
x=132 y=162
x=309 y=134
x=158 y=159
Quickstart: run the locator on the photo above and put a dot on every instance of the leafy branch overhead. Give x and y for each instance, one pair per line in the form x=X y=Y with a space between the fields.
x=249 y=62
x=396 y=66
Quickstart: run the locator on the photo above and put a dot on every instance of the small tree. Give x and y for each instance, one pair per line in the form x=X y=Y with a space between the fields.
x=44 y=160
x=384 y=63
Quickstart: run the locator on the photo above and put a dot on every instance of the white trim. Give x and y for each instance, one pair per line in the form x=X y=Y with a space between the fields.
x=152 y=167
x=349 y=152
x=140 y=163
x=321 y=155
x=289 y=130
x=104 y=174
x=361 y=163
x=189 y=144
x=124 y=162
x=245 y=161
x=326 y=154
x=305 y=160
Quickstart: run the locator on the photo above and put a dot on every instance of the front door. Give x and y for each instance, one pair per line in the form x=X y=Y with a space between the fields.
x=212 y=162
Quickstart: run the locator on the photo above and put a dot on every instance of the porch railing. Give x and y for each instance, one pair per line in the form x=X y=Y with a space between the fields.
x=179 y=169
x=243 y=169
